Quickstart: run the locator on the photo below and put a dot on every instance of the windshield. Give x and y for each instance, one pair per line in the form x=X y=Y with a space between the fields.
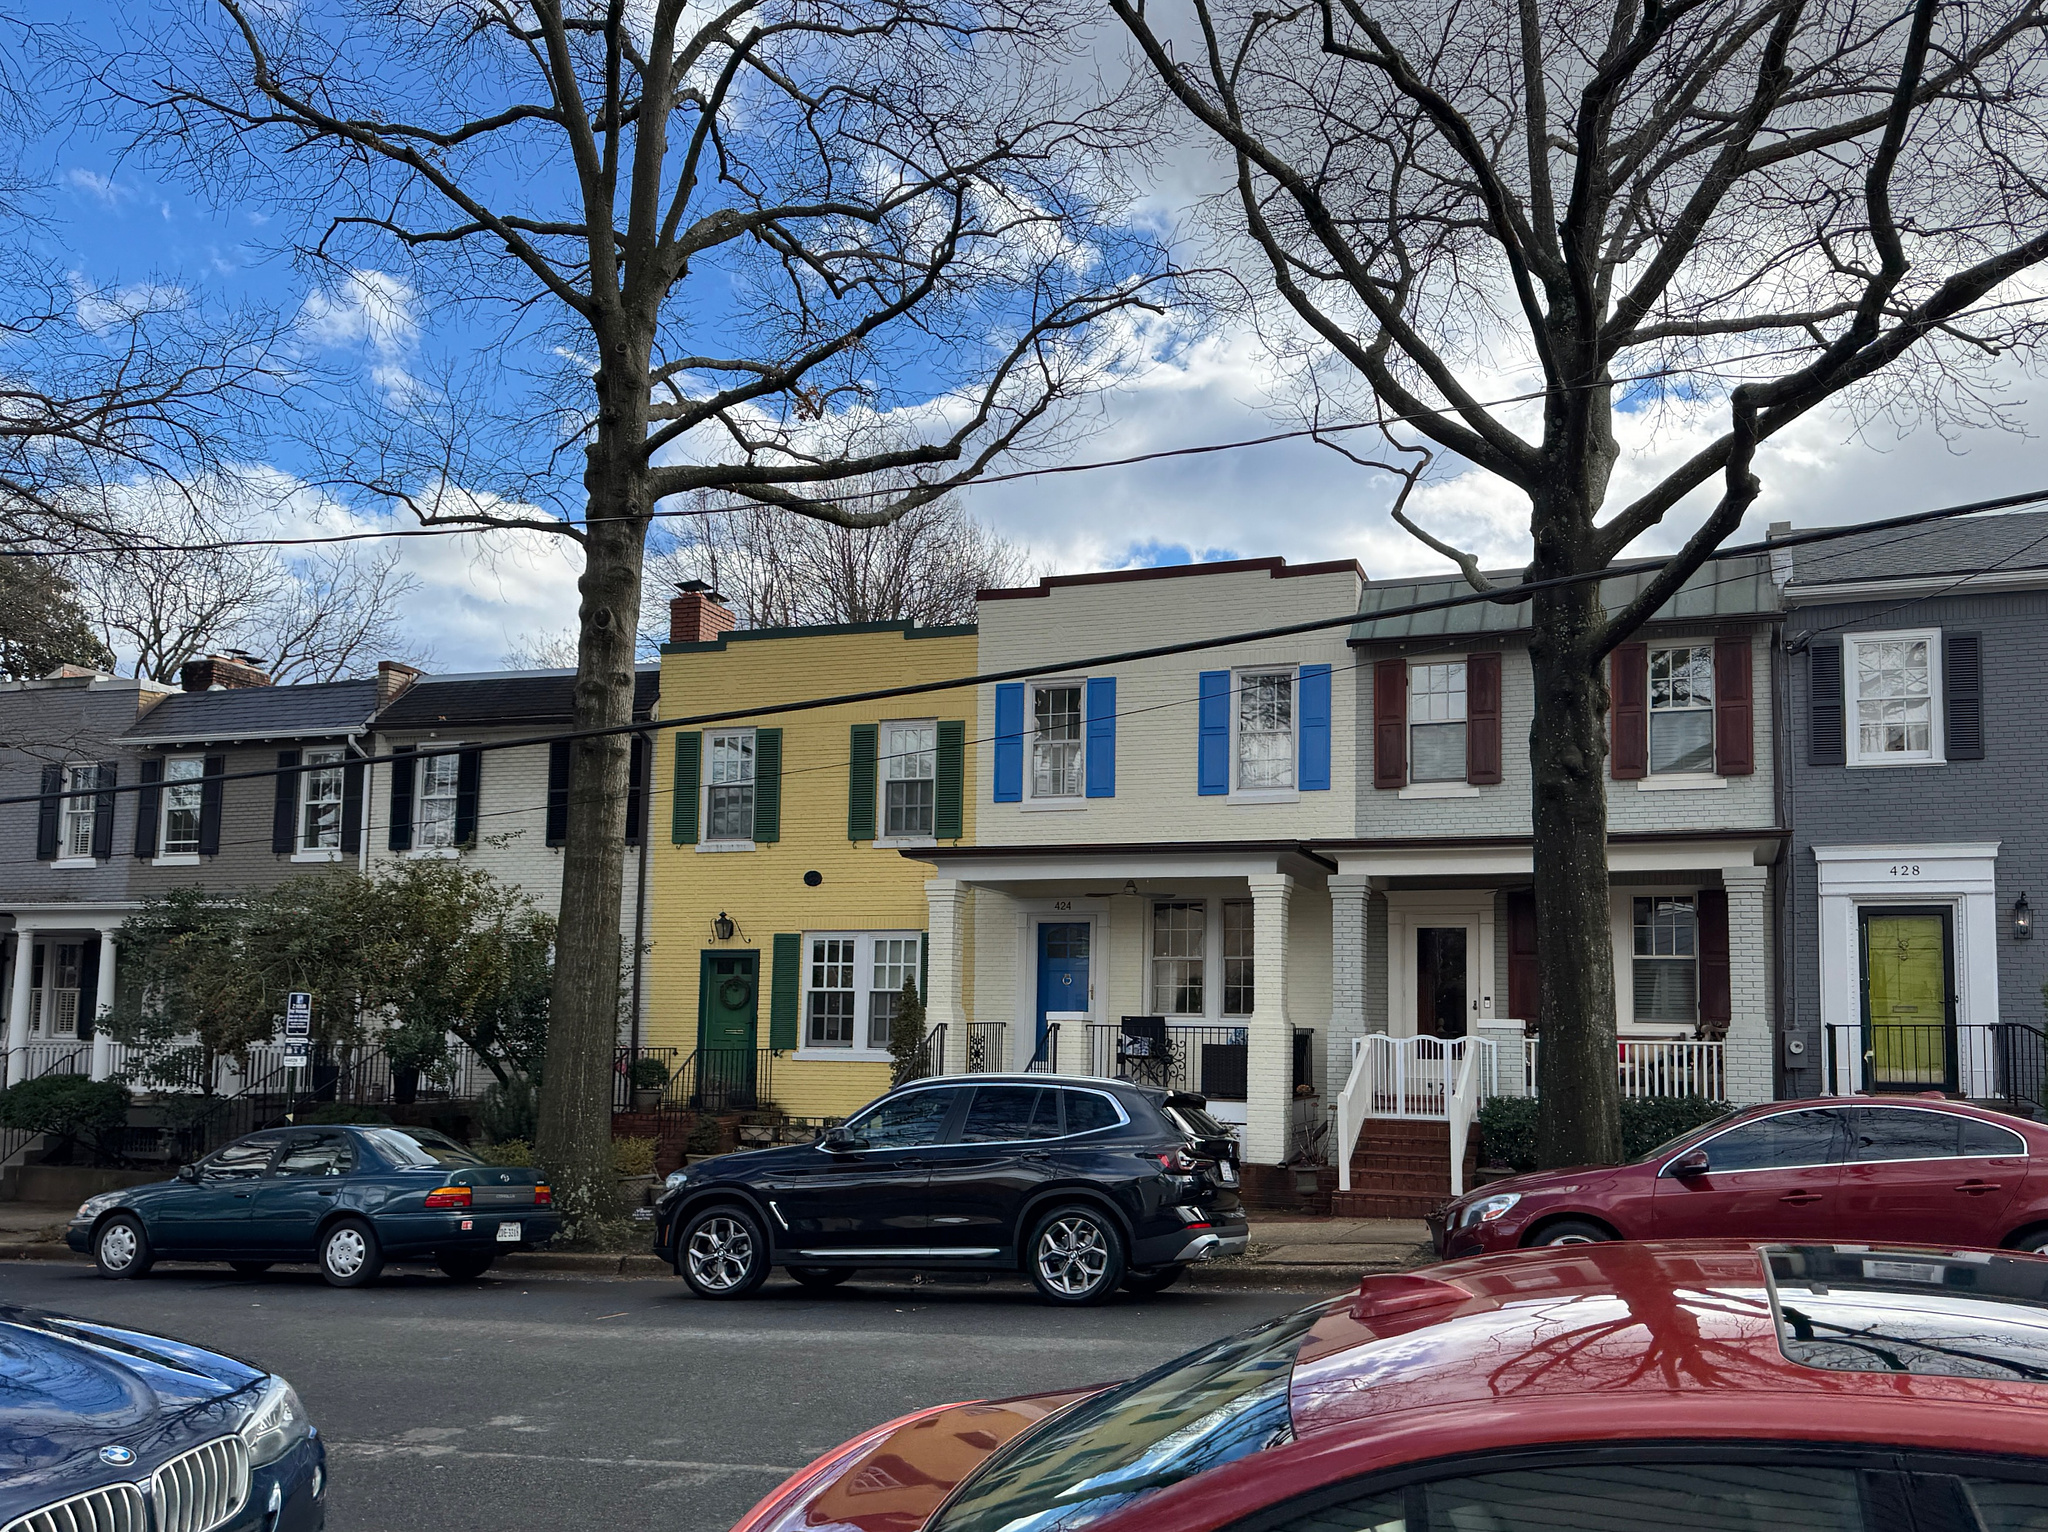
x=419 y=1147
x=1212 y=1406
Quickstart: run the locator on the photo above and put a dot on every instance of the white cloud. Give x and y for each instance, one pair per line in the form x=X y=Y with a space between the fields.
x=369 y=311
x=94 y=187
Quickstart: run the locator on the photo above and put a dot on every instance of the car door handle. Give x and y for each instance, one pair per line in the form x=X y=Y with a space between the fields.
x=1034 y=1154
x=325 y=1191
x=1978 y=1188
x=1800 y=1198
x=910 y=1162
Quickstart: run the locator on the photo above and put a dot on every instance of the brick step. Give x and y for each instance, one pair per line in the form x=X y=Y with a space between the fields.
x=1379 y=1161
x=1404 y=1183
x=1382 y=1205
x=1406 y=1127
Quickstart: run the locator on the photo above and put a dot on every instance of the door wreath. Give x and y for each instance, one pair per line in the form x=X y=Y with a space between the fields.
x=735 y=992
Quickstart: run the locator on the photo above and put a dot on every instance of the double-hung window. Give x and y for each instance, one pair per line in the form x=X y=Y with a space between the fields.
x=320 y=802
x=729 y=786
x=832 y=996
x=178 y=835
x=892 y=960
x=80 y=812
x=854 y=985
x=1180 y=942
x=1436 y=721
x=1682 y=709
x=1056 y=740
x=1666 y=977
x=434 y=828
x=1238 y=993
x=910 y=769
x=1265 y=731
x=1892 y=696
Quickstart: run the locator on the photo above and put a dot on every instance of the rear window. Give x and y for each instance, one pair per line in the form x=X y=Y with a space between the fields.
x=420 y=1147
x=1087 y=1111
x=1195 y=1122
x=1857 y=1309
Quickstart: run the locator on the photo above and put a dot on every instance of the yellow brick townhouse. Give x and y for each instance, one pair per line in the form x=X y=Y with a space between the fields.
x=784 y=914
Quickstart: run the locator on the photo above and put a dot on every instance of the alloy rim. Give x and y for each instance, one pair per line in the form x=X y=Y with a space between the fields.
x=1571 y=1239
x=1073 y=1256
x=721 y=1254
x=346 y=1252
x=117 y=1247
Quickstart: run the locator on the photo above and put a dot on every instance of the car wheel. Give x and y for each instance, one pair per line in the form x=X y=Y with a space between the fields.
x=1077 y=1255
x=121 y=1248
x=818 y=1278
x=1152 y=1279
x=251 y=1268
x=723 y=1253
x=2033 y=1242
x=1572 y=1231
x=349 y=1256
x=465 y=1265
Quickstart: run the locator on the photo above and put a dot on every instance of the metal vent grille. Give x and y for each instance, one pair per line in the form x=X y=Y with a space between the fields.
x=198 y=1490
x=117 y=1508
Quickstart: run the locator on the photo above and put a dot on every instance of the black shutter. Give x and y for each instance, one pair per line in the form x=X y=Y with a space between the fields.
x=1825 y=740
x=469 y=768
x=46 y=814
x=284 y=813
x=558 y=793
x=636 y=787
x=103 y=811
x=352 y=807
x=402 y=767
x=210 y=785
x=149 y=805
x=1962 y=695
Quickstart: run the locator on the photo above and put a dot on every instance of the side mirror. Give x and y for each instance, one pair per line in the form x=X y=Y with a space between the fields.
x=1694 y=1164
x=842 y=1141
x=188 y=1172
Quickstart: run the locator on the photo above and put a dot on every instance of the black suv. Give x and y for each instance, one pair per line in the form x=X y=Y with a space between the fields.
x=1086 y=1184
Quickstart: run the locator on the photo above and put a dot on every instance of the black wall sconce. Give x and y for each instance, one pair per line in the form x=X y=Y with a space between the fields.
x=723 y=927
x=2022 y=920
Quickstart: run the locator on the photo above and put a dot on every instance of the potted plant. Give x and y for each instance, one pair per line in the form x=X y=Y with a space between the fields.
x=648 y=1076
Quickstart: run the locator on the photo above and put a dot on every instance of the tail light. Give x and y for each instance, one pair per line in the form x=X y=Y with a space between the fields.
x=543 y=1196
x=448 y=1197
x=1180 y=1162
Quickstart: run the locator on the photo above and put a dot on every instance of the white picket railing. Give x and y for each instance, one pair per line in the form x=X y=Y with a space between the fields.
x=1660 y=1067
x=1415 y=1077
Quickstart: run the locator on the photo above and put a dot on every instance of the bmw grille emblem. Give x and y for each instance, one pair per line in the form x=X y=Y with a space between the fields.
x=120 y=1457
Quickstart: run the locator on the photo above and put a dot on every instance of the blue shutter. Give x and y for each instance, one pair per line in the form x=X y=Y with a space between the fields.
x=1101 y=763
x=1010 y=743
x=1212 y=761
x=1314 y=704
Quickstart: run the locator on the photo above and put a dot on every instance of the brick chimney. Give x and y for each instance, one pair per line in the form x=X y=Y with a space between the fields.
x=392 y=680
x=221 y=672
x=698 y=615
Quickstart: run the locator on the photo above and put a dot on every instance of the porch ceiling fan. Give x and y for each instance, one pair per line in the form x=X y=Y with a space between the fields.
x=1129 y=889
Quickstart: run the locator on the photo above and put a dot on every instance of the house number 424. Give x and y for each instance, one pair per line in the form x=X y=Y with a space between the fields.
x=1905 y=869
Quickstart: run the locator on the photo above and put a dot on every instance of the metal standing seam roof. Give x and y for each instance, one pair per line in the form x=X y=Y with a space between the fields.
x=1720 y=588
x=510 y=698
x=323 y=709
x=2012 y=541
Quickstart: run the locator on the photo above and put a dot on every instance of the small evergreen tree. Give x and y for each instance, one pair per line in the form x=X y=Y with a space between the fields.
x=906 y=1036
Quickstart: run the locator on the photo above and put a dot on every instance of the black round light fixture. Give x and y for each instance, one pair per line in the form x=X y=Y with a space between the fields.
x=813 y=878
x=722 y=927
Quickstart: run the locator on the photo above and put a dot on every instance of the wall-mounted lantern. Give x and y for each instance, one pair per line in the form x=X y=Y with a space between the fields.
x=2022 y=920
x=723 y=927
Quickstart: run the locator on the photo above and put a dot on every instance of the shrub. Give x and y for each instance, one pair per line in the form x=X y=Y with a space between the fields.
x=508 y=1151
x=340 y=1113
x=647 y=1073
x=70 y=1108
x=633 y=1156
x=906 y=1035
x=705 y=1137
x=507 y=1111
x=1507 y=1125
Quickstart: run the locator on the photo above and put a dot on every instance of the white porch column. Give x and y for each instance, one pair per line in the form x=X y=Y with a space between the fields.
x=103 y=1002
x=17 y=1004
x=946 y=966
x=1269 y=1063
x=1350 y=899
x=1749 y=977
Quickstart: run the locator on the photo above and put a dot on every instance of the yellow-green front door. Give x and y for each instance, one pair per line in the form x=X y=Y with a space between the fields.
x=1908 y=997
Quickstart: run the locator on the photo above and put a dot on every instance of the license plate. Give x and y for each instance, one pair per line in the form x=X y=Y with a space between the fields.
x=508 y=1233
x=1226 y=1172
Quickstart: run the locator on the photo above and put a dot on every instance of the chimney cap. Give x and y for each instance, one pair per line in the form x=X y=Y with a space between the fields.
x=700 y=588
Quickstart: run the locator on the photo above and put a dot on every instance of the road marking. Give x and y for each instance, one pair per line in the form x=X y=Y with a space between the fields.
x=440 y=1450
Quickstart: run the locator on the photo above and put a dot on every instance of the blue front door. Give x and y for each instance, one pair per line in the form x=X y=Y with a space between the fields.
x=1062 y=972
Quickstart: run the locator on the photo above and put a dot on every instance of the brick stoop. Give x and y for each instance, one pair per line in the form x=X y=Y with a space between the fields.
x=1401 y=1169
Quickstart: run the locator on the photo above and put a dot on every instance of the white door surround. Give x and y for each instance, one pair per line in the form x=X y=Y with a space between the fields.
x=1412 y=910
x=1072 y=910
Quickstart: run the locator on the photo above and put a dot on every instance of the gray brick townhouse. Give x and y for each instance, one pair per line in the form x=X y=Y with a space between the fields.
x=1916 y=795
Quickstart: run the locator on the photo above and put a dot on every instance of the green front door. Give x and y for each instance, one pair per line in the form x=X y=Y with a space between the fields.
x=728 y=1018
x=1908 y=1000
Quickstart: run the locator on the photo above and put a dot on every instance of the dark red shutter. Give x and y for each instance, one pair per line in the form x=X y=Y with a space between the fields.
x=1628 y=683
x=1525 y=992
x=1390 y=723
x=1717 y=1006
x=1482 y=719
x=1734 y=716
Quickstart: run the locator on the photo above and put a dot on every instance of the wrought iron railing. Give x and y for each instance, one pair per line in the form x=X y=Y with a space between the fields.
x=1209 y=1059
x=622 y=1073
x=988 y=1049
x=929 y=1060
x=1998 y=1061
x=1046 y=1061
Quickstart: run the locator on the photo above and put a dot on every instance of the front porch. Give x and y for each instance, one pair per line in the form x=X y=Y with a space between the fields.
x=60 y=979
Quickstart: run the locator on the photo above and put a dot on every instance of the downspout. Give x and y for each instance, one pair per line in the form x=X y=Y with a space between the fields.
x=640 y=896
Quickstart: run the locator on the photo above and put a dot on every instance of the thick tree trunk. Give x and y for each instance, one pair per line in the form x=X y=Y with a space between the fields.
x=1581 y=1118
x=583 y=1013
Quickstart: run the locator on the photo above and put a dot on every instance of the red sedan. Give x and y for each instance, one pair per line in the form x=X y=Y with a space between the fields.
x=1919 y=1169
x=1704 y=1387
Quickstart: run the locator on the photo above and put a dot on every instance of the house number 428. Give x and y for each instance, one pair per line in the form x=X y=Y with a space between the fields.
x=1905 y=869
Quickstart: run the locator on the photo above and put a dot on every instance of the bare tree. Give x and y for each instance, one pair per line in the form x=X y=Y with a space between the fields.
x=784 y=571
x=541 y=651
x=714 y=244
x=1453 y=201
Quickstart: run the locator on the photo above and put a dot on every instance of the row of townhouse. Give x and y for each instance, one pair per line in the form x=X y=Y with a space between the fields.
x=1273 y=855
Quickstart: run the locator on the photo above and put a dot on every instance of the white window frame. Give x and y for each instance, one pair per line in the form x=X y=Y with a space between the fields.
x=45 y=990
x=1621 y=909
x=439 y=752
x=1936 y=753
x=1077 y=799
x=1200 y=959
x=860 y=1050
x=1650 y=711
x=1292 y=792
x=885 y=758
x=69 y=813
x=706 y=841
x=336 y=758
x=1213 y=963
x=195 y=784
x=1439 y=787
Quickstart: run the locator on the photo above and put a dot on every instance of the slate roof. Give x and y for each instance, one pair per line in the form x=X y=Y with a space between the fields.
x=1729 y=587
x=2011 y=541
x=508 y=697
x=322 y=710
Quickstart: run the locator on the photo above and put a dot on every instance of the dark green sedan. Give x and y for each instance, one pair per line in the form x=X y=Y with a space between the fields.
x=347 y=1198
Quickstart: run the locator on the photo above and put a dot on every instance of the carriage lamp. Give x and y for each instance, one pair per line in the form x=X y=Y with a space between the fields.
x=2022 y=920
x=722 y=927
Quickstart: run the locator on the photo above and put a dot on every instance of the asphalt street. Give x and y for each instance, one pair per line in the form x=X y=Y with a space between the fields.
x=622 y=1404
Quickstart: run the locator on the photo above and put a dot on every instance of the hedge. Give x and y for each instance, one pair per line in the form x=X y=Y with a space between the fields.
x=1507 y=1125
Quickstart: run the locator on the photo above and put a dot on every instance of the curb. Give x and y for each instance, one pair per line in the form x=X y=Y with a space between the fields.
x=42 y=1250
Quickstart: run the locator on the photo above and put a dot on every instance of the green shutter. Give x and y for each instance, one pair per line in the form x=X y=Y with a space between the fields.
x=767 y=785
x=947 y=819
x=783 y=985
x=860 y=784
x=924 y=969
x=683 y=804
